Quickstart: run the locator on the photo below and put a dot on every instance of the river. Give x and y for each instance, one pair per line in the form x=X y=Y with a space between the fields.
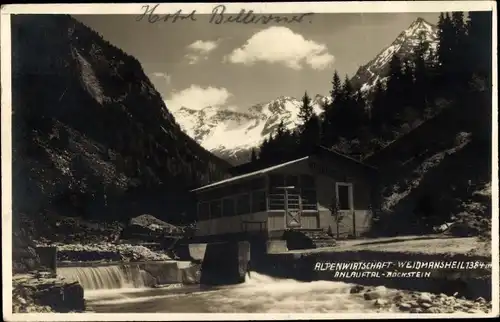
x=259 y=294
x=122 y=289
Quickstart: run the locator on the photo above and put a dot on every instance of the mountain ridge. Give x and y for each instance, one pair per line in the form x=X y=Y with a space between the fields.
x=232 y=134
x=218 y=134
x=367 y=75
x=124 y=141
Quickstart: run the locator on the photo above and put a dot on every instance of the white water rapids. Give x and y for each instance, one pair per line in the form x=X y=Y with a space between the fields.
x=111 y=289
x=105 y=277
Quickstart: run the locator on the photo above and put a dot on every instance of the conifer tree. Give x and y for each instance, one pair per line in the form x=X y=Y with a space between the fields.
x=336 y=86
x=253 y=156
x=394 y=92
x=378 y=112
x=309 y=132
x=348 y=117
x=264 y=149
x=329 y=128
x=479 y=43
x=479 y=52
x=310 y=136
x=446 y=37
x=459 y=51
x=422 y=80
x=306 y=110
x=280 y=130
x=407 y=82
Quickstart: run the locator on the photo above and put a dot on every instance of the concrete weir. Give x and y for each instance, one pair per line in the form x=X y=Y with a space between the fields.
x=225 y=263
x=221 y=263
x=131 y=274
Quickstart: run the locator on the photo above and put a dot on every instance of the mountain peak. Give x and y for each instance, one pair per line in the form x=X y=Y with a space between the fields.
x=231 y=134
x=420 y=20
x=404 y=46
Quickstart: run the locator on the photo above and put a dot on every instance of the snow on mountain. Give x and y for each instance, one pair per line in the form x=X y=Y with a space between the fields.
x=404 y=46
x=231 y=134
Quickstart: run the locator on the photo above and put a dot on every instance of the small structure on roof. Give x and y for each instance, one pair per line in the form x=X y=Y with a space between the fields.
x=293 y=195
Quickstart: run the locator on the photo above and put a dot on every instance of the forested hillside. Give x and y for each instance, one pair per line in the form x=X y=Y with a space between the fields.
x=432 y=112
x=91 y=135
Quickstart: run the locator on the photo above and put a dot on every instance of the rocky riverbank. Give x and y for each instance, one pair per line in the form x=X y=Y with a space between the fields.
x=384 y=300
x=106 y=252
x=45 y=292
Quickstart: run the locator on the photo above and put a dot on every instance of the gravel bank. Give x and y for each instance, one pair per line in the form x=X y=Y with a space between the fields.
x=106 y=252
x=384 y=300
x=44 y=292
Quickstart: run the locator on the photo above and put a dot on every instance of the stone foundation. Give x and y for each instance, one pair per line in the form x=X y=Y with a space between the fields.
x=276 y=246
x=45 y=290
x=225 y=263
x=48 y=257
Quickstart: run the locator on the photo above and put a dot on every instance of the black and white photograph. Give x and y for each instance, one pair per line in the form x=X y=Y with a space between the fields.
x=180 y=161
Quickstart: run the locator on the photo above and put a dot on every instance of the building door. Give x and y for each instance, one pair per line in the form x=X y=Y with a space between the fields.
x=292 y=209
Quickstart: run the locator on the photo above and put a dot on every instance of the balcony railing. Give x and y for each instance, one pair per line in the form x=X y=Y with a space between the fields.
x=245 y=225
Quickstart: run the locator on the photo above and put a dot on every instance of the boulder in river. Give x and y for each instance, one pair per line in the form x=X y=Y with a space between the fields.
x=375 y=293
x=148 y=228
x=40 y=292
x=425 y=298
x=380 y=302
x=356 y=289
x=372 y=295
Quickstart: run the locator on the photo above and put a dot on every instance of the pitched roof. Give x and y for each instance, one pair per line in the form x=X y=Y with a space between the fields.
x=318 y=150
x=249 y=175
x=337 y=153
x=284 y=164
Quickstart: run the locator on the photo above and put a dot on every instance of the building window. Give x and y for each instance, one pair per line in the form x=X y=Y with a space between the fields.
x=228 y=207
x=237 y=188
x=276 y=192
x=258 y=184
x=292 y=181
x=215 y=209
x=302 y=186
x=203 y=211
x=309 y=200
x=308 y=192
x=259 y=201
x=293 y=201
x=307 y=181
x=243 y=204
x=276 y=180
x=277 y=199
x=344 y=196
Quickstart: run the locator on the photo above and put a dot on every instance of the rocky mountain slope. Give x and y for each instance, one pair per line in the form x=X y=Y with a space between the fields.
x=91 y=135
x=438 y=173
x=404 y=46
x=231 y=135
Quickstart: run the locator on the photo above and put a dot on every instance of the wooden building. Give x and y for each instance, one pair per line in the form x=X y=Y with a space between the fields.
x=294 y=195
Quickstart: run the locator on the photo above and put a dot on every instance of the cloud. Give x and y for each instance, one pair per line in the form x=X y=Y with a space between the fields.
x=195 y=58
x=197 y=97
x=166 y=77
x=203 y=46
x=200 y=49
x=282 y=45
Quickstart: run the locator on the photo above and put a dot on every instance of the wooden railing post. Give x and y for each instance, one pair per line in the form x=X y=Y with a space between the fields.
x=354 y=223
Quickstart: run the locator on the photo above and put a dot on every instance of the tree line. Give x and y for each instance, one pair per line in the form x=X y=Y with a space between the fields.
x=416 y=88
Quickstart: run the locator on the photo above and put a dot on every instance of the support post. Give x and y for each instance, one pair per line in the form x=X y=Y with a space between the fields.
x=48 y=257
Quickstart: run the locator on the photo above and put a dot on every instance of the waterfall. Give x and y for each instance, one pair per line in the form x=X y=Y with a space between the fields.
x=105 y=277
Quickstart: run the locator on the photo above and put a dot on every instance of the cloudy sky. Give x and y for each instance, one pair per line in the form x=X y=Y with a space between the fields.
x=197 y=64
